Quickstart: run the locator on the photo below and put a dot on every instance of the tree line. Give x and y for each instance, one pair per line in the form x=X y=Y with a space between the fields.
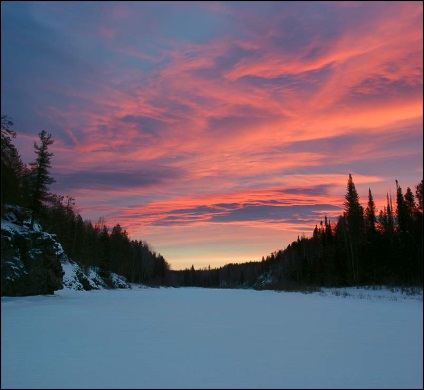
x=109 y=249
x=361 y=248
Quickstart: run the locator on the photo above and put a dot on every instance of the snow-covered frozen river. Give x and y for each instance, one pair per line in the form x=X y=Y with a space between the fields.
x=211 y=338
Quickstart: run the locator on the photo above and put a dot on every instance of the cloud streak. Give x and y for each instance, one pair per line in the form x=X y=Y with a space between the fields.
x=172 y=117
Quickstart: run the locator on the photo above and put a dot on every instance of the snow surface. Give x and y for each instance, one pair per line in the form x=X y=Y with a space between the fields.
x=212 y=338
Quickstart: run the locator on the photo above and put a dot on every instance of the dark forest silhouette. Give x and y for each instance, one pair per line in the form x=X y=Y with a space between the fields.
x=88 y=244
x=361 y=248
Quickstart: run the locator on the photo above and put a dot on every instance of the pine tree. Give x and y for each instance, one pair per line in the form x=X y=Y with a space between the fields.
x=390 y=217
x=40 y=175
x=355 y=225
x=419 y=195
x=354 y=210
x=385 y=218
x=328 y=231
x=120 y=250
x=410 y=205
x=370 y=218
x=104 y=250
x=401 y=210
x=13 y=170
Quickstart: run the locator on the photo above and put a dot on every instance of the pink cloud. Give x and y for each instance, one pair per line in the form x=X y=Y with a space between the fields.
x=227 y=110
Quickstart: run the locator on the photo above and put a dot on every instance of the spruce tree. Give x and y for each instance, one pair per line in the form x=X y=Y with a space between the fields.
x=13 y=170
x=355 y=225
x=385 y=218
x=370 y=218
x=410 y=205
x=419 y=195
x=40 y=175
x=402 y=218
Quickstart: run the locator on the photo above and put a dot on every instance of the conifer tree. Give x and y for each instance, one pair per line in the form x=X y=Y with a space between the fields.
x=390 y=217
x=385 y=218
x=13 y=170
x=402 y=218
x=370 y=218
x=328 y=231
x=355 y=224
x=105 y=252
x=419 y=195
x=410 y=203
x=40 y=175
x=354 y=210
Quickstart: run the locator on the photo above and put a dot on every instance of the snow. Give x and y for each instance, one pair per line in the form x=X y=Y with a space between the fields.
x=12 y=227
x=9 y=229
x=74 y=273
x=70 y=278
x=212 y=338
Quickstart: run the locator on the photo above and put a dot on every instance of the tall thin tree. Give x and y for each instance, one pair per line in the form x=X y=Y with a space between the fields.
x=419 y=195
x=40 y=175
x=355 y=224
x=13 y=170
x=370 y=218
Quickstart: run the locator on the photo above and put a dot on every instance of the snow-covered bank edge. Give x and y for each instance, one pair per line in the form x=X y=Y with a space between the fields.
x=375 y=293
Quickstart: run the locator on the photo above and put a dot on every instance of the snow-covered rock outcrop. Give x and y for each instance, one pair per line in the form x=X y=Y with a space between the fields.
x=91 y=278
x=33 y=262
x=30 y=258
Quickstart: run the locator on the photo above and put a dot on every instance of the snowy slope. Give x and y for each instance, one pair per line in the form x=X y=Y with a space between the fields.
x=15 y=262
x=76 y=278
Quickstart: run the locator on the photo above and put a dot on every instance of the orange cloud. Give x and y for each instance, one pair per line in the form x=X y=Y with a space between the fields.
x=268 y=112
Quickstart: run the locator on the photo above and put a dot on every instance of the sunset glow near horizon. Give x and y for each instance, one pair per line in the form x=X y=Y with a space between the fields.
x=217 y=131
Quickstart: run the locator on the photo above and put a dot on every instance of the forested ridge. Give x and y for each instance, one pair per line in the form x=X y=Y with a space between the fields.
x=87 y=243
x=360 y=248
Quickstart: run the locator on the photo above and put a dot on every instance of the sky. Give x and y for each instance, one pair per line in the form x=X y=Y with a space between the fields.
x=199 y=338
x=217 y=131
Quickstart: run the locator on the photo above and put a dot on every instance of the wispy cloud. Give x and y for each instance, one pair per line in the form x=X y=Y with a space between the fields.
x=172 y=117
